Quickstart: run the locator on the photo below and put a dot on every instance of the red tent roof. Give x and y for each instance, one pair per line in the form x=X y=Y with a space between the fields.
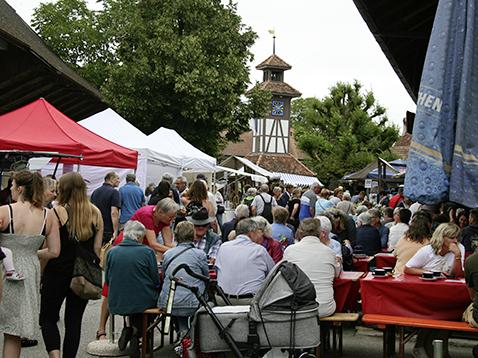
x=39 y=126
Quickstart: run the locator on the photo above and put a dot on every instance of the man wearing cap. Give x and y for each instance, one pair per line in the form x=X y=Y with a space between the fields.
x=132 y=198
x=204 y=238
x=242 y=264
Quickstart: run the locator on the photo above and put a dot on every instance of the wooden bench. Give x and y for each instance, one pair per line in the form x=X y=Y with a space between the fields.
x=390 y=322
x=336 y=321
x=152 y=318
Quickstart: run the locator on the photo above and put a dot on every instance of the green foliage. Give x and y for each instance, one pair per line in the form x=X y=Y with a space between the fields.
x=342 y=132
x=180 y=64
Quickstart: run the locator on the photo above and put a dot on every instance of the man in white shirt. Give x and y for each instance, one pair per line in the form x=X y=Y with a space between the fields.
x=398 y=230
x=242 y=264
x=318 y=263
x=260 y=201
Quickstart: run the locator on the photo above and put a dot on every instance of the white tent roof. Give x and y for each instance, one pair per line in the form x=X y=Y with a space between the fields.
x=295 y=179
x=170 y=141
x=112 y=126
x=258 y=178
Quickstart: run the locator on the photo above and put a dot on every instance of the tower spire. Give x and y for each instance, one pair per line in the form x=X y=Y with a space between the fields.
x=273 y=33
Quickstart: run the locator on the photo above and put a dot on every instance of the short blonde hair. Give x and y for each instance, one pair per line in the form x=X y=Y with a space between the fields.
x=184 y=232
x=442 y=231
x=280 y=214
x=263 y=224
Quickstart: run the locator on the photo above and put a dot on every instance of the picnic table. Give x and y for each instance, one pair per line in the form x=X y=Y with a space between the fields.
x=385 y=259
x=346 y=291
x=410 y=296
x=361 y=264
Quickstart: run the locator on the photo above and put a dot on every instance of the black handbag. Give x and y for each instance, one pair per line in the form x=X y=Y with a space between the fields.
x=86 y=281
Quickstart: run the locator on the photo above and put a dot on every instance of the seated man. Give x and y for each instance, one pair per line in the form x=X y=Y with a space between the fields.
x=132 y=275
x=185 y=303
x=328 y=239
x=204 y=238
x=376 y=222
x=368 y=237
x=242 y=264
x=242 y=211
x=317 y=261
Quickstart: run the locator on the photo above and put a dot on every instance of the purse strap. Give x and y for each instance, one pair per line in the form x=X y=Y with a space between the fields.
x=176 y=256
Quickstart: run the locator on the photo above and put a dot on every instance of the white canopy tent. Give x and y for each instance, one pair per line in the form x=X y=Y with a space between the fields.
x=169 y=141
x=161 y=152
x=152 y=163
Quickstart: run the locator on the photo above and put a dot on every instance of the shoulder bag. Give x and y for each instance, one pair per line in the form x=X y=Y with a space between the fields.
x=86 y=281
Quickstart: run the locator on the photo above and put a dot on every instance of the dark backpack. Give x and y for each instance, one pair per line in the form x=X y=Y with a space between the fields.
x=267 y=212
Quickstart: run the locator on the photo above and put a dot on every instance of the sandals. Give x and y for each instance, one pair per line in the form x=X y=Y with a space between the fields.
x=100 y=334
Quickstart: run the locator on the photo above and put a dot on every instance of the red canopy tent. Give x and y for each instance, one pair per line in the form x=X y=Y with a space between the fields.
x=39 y=126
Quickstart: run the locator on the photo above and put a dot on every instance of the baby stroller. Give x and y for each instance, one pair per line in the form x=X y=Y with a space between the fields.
x=283 y=314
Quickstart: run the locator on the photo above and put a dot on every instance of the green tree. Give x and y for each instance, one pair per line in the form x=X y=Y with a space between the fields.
x=181 y=64
x=342 y=132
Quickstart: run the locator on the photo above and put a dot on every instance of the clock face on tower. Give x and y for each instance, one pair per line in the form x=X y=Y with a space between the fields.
x=277 y=108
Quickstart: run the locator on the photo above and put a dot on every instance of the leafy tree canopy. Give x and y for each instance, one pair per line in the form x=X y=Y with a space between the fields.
x=342 y=132
x=181 y=64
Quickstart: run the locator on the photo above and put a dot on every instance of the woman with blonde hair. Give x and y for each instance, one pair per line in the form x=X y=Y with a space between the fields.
x=50 y=191
x=443 y=254
x=81 y=227
x=24 y=226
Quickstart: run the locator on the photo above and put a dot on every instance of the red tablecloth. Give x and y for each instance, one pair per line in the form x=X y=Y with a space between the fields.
x=409 y=296
x=346 y=291
x=361 y=264
x=385 y=260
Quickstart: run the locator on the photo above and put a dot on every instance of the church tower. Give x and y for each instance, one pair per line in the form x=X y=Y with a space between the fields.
x=269 y=147
x=272 y=133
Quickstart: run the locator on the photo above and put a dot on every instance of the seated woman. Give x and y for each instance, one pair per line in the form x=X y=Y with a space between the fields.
x=443 y=254
x=417 y=236
x=131 y=273
x=185 y=303
x=273 y=247
x=280 y=231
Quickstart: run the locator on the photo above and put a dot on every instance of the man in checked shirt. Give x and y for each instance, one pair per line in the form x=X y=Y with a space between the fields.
x=205 y=239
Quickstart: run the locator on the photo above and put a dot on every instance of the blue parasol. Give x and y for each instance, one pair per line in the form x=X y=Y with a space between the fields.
x=442 y=161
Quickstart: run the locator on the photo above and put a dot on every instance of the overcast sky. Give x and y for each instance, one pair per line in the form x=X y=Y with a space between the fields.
x=325 y=41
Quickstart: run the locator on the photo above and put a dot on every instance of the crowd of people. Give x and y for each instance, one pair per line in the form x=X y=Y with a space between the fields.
x=45 y=222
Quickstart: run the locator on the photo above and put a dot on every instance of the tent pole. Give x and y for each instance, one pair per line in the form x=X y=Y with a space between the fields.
x=56 y=168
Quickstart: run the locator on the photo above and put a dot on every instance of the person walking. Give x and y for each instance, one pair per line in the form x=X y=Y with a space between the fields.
x=81 y=225
x=107 y=199
x=132 y=198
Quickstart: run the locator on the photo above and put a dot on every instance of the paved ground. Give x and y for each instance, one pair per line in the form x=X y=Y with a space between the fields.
x=357 y=344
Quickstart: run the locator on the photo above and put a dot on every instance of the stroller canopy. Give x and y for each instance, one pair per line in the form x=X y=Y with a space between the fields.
x=286 y=288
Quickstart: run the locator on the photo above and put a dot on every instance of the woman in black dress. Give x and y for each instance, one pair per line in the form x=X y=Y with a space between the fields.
x=81 y=225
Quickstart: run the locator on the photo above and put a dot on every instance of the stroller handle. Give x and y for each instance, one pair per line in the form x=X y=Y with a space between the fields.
x=189 y=272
